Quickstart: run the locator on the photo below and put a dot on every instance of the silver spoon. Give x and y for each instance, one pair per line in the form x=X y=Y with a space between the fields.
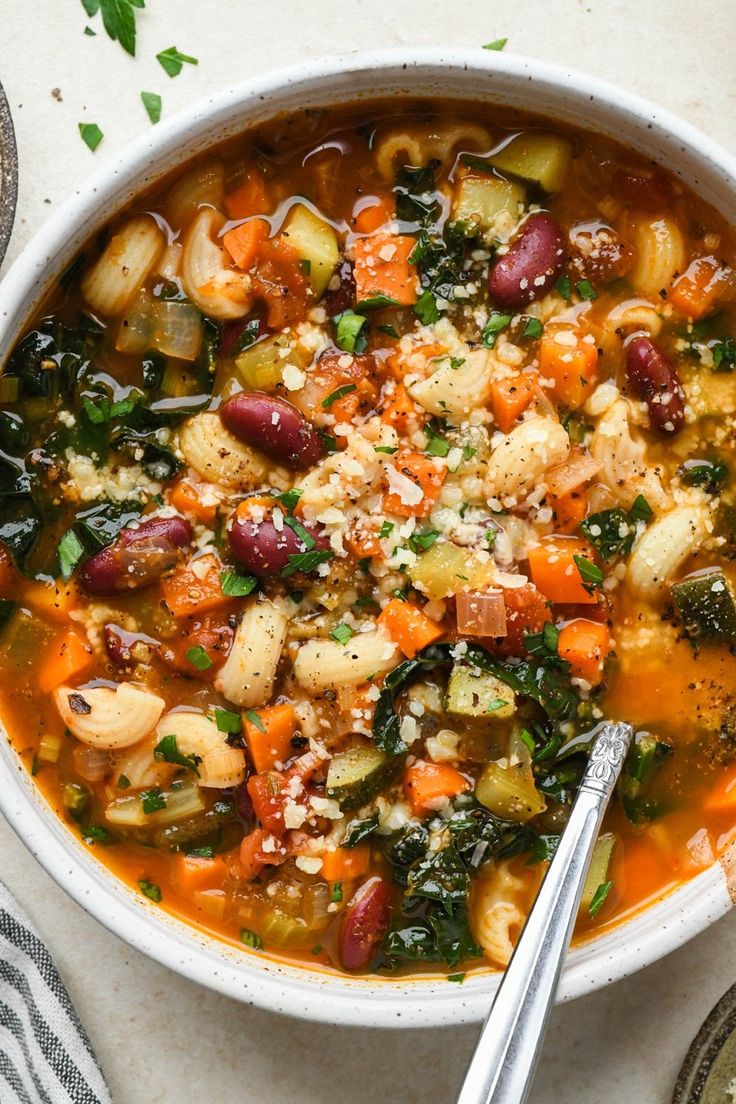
x=502 y=1068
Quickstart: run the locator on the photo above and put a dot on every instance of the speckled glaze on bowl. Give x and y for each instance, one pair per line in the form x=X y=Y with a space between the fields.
x=8 y=173
x=474 y=74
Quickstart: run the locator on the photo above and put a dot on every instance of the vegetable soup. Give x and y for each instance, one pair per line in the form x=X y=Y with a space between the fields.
x=347 y=482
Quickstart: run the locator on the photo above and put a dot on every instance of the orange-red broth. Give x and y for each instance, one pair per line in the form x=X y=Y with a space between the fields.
x=660 y=683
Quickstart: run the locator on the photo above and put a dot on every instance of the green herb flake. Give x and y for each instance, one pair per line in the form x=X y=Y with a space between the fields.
x=426 y=308
x=564 y=287
x=305 y=266
x=350 y=338
x=172 y=61
x=458 y=978
x=90 y=32
x=493 y=327
x=342 y=633
x=586 y=290
x=235 y=585
x=390 y=331
x=533 y=328
x=640 y=510
x=436 y=445
x=290 y=499
x=497 y=44
x=377 y=302
x=527 y=739
x=70 y=552
x=386 y=530
x=255 y=720
x=198 y=658
x=91 y=135
x=251 y=939
x=124 y=782
x=306 y=561
x=153 y=800
x=227 y=721
x=599 y=898
x=336 y=893
x=167 y=751
x=385 y=448
x=150 y=890
x=497 y=703
x=358 y=830
x=305 y=537
x=590 y=573
x=200 y=852
x=152 y=104
x=118 y=19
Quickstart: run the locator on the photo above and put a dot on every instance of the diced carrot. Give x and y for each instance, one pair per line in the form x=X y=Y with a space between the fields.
x=569 y=358
x=273 y=744
x=54 y=600
x=421 y=471
x=254 y=504
x=374 y=214
x=585 y=645
x=195 y=588
x=362 y=542
x=344 y=409
x=695 y=293
x=67 y=658
x=397 y=408
x=249 y=198
x=279 y=280
x=409 y=627
x=346 y=863
x=510 y=398
x=399 y=363
x=195 y=872
x=426 y=784
x=253 y=858
x=721 y=797
x=569 y=510
x=554 y=571
x=188 y=498
x=243 y=242
x=382 y=268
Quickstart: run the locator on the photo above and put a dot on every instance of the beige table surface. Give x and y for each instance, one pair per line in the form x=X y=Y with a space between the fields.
x=160 y=1038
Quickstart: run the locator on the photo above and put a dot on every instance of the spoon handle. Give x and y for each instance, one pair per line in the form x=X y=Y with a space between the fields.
x=503 y=1065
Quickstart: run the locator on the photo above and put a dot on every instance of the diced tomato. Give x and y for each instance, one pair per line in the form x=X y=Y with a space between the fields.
x=212 y=634
x=526 y=612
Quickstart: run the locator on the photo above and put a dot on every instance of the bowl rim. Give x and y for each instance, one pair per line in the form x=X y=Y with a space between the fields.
x=8 y=173
x=311 y=994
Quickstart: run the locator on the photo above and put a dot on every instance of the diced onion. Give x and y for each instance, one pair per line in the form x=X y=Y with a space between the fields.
x=93 y=764
x=167 y=325
x=481 y=613
x=578 y=469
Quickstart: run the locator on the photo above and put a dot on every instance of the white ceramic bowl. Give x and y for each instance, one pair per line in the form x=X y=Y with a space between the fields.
x=492 y=78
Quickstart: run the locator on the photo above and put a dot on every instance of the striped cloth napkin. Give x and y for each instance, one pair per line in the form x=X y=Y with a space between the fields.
x=45 y=1055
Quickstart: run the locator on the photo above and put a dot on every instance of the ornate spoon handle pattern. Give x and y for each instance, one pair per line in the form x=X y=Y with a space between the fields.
x=503 y=1065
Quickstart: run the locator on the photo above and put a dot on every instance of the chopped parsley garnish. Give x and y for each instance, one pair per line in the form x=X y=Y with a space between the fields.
x=95 y=833
x=255 y=720
x=390 y=331
x=124 y=782
x=640 y=509
x=336 y=893
x=385 y=448
x=493 y=327
x=200 y=852
x=153 y=800
x=564 y=287
x=305 y=537
x=172 y=61
x=290 y=499
x=235 y=585
x=599 y=897
x=612 y=532
x=497 y=44
x=426 y=308
x=358 y=830
x=118 y=18
x=70 y=552
x=533 y=328
x=708 y=474
x=386 y=530
x=460 y=978
x=91 y=135
x=543 y=644
x=420 y=542
x=724 y=355
x=590 y=573
x=377 y=302
x=167 y=751
x=342 y=633
x=306 y=561
x=227 y=721
x=586 y=290
x=152 y=104
x=436 y=445
x=251 y=939
x=349 y=334
x=306 y=266
x=496 y=703
x=150 y=890
x=339 y=393
x=198 y=658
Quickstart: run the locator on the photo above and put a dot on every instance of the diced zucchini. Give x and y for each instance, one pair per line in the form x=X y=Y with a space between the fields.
x=706 y=603
x=128 y=812
x=645 y=757
x=509 y=792
x=359 y=773
x=489 y=202
x=262 y=364
x=446 y=569
x=315 y=242
x=473 y=693
x=599 y=870
x=76 y=798
x=535 y=156
x=278 y=929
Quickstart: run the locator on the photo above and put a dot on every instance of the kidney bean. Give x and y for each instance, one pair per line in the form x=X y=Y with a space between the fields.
x=341 y=298
x=232 y=333
x=125 y=647
x=274 y=426
x=264 y=550
x=531 y=265
x=137 y=557
x=653 y=378
x=364 y=924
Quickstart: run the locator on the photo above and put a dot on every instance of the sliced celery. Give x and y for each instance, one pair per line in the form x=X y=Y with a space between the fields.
x=262 y=364
x=535 y=156
x=277 y=929
x=598 y=873
x=487 y=202
x=472 y=693
x=509 y=792
x=49 y=748
x=316 y=243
